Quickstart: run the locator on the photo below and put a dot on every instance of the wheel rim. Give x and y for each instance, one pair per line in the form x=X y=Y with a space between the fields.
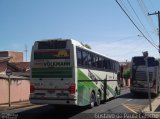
x=98 y=98
x=92 y=100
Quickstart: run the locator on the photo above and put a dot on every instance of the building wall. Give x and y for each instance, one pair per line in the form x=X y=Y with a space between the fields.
x=19 y=90
x=16 y=56
x=3 y=53
x=3 y=91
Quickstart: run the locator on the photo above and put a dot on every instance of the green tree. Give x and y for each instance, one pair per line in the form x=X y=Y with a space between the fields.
x=86 y=45
x=126 y=74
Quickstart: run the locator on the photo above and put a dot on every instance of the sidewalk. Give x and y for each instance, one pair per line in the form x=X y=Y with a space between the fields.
x=15 y=105
x=155 y=113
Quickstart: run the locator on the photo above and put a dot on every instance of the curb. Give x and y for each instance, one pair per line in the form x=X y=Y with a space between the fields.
x=152 y=114
x=14 y=107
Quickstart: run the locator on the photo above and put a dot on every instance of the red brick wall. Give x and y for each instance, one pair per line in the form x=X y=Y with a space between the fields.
x=17 y=56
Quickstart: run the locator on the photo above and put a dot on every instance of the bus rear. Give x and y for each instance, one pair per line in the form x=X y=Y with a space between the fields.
x=139 y=77
x=52 y=73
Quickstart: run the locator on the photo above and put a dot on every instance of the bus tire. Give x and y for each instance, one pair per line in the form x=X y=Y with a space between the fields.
x=92 y=100
x=98 y=98
x=116 y=92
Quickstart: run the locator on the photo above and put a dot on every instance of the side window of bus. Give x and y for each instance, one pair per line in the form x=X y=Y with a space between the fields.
x=114 y=67
x=96 y=61
x=79 y=57
x=107 y=64
x=85 y=58
x=117 y=67
x=100 y=62
x=104 y=64
x=92 y=60
x=89 y=59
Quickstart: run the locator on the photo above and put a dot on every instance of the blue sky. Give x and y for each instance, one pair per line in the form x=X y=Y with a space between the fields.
x=99 y=23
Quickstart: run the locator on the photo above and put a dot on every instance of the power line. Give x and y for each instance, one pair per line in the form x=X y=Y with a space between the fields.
x=146 y=14
x=145 y=11
x=157 y=13
x=136 y=14
x=128 y=11
x=136 y=25
x=125 y=38
x=151 y=5
x=140 y=20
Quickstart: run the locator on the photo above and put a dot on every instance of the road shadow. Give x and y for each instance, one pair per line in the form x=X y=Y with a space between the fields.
x=51 y=112
x=127 y=95
x=135 y=96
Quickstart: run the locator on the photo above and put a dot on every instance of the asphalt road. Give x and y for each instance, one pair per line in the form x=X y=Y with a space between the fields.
x=126 y=103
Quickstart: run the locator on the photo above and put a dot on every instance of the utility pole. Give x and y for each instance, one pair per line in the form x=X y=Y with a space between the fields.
x=9 y=73
x=145 y=55
x=158 y=25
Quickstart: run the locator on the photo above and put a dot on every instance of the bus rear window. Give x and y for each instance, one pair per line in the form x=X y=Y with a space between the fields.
x=140 y=61
x=53 y=54
x=52 y=44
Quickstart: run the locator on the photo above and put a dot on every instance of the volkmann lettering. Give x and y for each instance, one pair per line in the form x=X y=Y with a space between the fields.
x=56 y=64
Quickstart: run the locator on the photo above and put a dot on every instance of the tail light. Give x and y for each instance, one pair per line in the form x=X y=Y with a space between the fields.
x=32 y=88
x=72 y=88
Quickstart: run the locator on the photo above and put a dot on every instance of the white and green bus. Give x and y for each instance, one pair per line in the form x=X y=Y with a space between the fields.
x=64 y=72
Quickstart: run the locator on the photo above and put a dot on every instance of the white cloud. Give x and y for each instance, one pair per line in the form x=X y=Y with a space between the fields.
x=123 y=50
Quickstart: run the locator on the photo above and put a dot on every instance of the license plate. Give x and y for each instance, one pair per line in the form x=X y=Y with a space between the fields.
x=40 y=94
x=62 y=94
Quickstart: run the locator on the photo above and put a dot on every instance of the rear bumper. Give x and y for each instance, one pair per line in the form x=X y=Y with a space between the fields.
x=142 y=90
x=56 y=101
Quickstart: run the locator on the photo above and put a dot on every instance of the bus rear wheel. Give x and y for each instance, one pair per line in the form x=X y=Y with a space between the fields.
x=98 y=98
x=92 y=100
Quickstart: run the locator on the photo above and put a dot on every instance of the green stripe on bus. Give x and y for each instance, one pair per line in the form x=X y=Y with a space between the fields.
x=44 y=56
x=84 y=88
x=61 y=72
x=82 y=76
